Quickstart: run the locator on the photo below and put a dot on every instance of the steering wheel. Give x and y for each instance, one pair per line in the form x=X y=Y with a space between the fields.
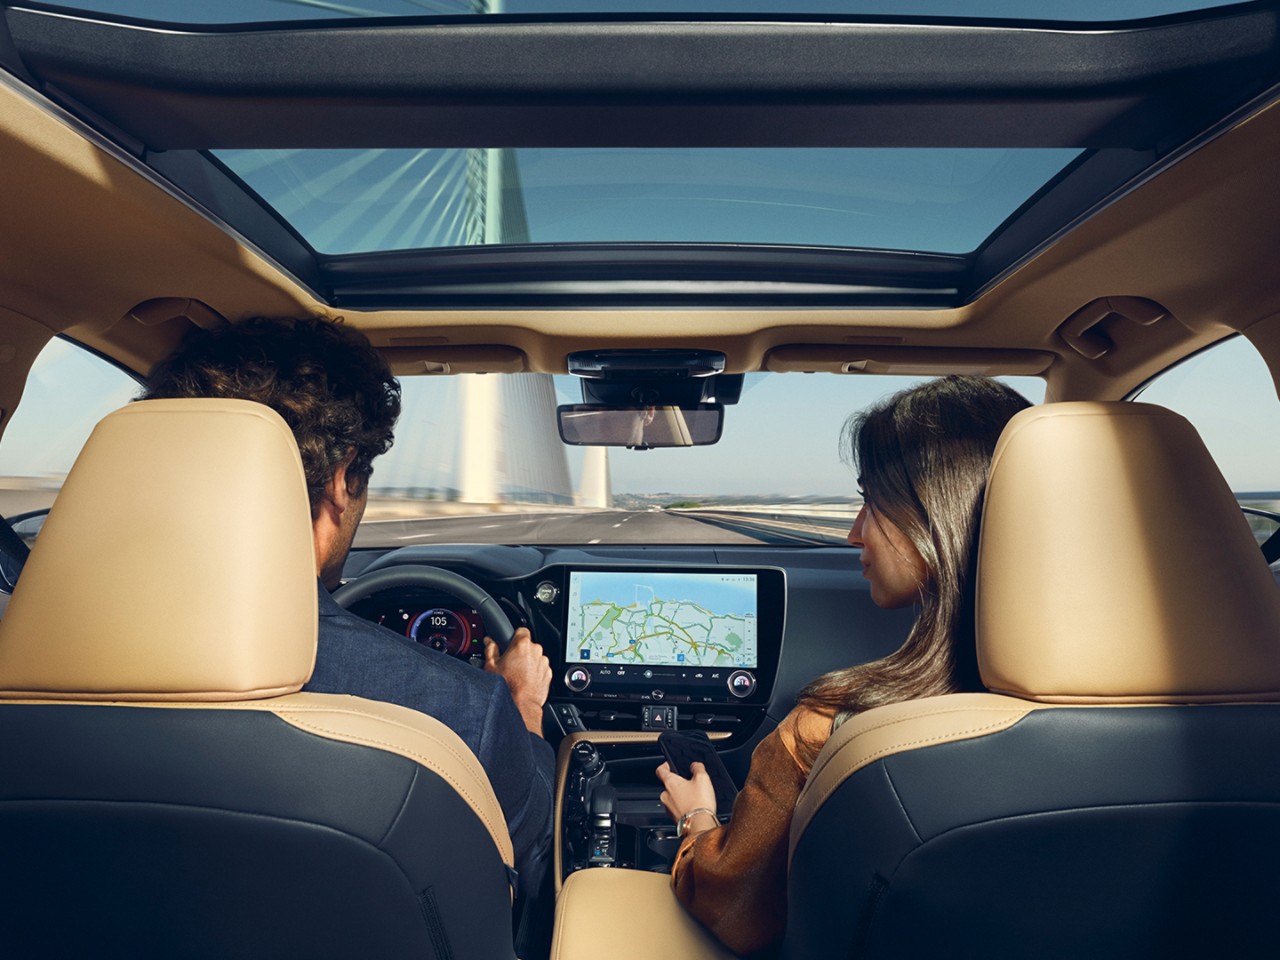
x=496 y=622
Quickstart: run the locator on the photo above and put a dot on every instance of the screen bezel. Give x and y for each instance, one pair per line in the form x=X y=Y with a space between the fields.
x=771 y=598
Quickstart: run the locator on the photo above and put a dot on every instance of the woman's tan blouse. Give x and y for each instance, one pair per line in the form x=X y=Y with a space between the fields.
x=733 y=878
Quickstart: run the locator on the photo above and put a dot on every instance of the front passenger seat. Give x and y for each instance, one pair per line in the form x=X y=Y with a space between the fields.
x=1117 y=794
x=166 y=789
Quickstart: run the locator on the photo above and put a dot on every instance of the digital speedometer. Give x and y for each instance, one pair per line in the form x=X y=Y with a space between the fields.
x=441 y=629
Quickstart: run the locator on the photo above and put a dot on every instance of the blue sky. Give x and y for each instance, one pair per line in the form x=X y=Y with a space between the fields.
x=939 y=200
x=782 y=438
x=67 y=392
x=1228 y=395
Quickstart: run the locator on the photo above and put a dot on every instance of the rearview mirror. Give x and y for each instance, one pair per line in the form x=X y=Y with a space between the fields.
x=639 y=427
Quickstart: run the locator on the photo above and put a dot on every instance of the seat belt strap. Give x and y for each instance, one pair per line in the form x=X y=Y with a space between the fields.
x=1271 y=548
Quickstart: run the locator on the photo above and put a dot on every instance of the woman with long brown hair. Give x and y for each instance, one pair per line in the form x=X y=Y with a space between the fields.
x=922 y=457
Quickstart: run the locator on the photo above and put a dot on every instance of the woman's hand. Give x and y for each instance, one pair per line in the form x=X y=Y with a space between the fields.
x=680 y=796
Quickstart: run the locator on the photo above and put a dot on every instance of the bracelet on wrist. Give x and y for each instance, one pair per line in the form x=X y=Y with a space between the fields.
x=682 y=827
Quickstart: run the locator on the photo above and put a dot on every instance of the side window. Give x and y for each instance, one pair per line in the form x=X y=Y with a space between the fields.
x=1228 y=395
x=67 y=392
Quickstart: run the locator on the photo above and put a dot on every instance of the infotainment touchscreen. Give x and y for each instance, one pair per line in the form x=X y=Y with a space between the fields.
x=691 y=619
x=676 y=635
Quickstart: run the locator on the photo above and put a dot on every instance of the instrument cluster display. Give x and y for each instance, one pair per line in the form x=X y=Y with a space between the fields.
x=450 y=628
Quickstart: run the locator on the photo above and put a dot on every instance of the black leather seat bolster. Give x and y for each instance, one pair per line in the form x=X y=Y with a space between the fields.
x=330 y=831
x=1086 y=757
x=1041 y=829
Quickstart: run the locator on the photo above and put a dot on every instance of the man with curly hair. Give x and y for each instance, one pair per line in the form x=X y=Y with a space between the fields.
x=339 y=398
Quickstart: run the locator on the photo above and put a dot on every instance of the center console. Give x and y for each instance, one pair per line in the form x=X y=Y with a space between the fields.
x=607 y=809
x=653 y=648
x=637 y=651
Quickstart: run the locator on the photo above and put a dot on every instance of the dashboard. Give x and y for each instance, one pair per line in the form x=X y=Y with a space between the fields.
x=663 y=639
x=645 y=638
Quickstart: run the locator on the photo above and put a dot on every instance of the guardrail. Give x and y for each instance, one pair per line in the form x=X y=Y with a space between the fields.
x=844 y=510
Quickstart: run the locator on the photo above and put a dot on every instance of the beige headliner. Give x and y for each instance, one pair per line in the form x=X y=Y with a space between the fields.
x=87 y=237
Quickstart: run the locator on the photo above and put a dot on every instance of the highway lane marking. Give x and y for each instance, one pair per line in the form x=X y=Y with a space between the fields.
x=432 y=519
x=616 y=526
x=416 y=536
x=593 y=541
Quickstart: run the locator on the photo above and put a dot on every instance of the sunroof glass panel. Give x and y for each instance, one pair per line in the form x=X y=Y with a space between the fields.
x=261 y=11
x=936 y=200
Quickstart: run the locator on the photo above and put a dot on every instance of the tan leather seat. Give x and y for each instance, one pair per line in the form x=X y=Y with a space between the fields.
x=1118 y=795
x=167 y=791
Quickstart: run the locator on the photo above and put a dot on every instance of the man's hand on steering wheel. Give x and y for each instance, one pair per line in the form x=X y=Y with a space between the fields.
x=527 y=671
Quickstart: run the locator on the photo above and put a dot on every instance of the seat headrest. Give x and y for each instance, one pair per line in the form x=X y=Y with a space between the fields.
x=1115 y=565
x=177 y=564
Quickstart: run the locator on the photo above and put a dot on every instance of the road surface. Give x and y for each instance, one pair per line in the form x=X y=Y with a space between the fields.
x=605 y=526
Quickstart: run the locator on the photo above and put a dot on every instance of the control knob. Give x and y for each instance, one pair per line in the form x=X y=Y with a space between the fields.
x=741 y=683
x=586 y=756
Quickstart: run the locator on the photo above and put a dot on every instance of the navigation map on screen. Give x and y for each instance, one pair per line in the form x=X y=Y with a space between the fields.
x=668 y=619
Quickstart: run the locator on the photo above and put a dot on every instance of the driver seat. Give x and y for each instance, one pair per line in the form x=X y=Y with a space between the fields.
x=167 y=791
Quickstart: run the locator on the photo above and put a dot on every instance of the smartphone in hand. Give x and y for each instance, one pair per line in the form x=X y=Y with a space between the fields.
x=681 y=748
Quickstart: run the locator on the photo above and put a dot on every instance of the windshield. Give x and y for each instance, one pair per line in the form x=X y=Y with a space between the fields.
x=477 y=460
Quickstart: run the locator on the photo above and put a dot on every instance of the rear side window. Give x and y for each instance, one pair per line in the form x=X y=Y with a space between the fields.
x=1229 y=396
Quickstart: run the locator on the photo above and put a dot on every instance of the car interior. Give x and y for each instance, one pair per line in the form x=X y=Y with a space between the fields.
x=311 y=810
x=597 y=242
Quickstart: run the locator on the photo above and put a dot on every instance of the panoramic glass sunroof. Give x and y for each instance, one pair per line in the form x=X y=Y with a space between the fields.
x=356 y=201
x=247 y=11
